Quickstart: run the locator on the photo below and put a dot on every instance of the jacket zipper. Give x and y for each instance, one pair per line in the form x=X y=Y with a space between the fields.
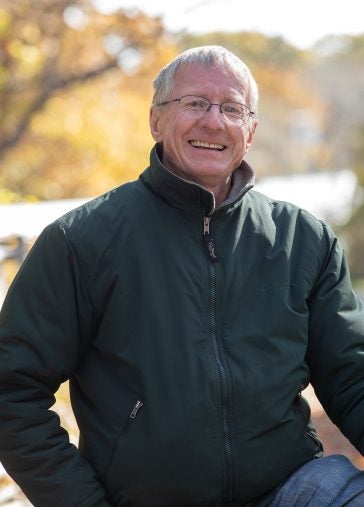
x=222 y=378
x=209 y=240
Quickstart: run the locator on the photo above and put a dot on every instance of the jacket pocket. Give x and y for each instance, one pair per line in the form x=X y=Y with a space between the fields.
x=311 y=434
x=310 y=431
x=122 y=435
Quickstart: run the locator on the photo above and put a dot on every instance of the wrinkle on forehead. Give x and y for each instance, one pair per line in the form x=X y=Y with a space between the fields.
x=239 y=75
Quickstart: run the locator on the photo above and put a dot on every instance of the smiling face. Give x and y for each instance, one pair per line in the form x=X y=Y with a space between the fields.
x=206 y=148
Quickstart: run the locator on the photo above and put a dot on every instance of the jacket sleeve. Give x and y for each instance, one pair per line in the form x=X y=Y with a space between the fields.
x=42 y=323
x=336 y=343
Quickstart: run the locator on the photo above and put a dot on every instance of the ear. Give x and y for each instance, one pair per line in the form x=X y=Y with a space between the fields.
x=251 y=133
x=155 y=124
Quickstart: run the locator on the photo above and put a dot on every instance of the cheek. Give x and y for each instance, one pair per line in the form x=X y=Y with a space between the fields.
x=245 y=141
x=175 y=134
x=162 y=127
x=171 y=131
x=241 y=144
x=240 y=149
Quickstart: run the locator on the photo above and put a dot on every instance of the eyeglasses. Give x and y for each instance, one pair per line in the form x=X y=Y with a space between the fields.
x=234 y=112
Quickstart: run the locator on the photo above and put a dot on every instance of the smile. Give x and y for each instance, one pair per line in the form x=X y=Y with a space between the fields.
x=206 y=145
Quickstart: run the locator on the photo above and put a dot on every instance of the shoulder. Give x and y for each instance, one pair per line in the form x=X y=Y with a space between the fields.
x=90 y=230
x=285 y=223
x=286 y=214
x=102 y=214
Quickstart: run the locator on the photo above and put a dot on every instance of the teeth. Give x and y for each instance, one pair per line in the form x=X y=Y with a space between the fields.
x=204 y=144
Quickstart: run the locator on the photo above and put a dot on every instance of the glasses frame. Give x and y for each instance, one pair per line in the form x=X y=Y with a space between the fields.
x=250 y=113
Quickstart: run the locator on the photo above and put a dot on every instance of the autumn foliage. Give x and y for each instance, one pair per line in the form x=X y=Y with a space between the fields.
x=76 y=85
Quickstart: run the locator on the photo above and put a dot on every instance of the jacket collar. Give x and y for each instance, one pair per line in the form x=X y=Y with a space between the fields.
x=184 y=194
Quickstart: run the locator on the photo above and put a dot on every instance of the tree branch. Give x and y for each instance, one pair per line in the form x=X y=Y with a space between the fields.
x=40 y=101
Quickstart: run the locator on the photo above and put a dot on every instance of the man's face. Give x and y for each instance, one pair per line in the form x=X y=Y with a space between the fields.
x=182 y=132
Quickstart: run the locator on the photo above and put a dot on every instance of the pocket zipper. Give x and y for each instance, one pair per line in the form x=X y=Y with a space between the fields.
x=135 y=410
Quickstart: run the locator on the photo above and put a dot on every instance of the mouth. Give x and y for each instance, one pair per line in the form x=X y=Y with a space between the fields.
x=207 y=146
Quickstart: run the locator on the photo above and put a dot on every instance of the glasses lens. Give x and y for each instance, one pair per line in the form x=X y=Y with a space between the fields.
x=194 y=103
x=235 y=112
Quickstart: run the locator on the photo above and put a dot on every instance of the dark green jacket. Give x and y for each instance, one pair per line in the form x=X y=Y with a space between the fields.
x=187 y=342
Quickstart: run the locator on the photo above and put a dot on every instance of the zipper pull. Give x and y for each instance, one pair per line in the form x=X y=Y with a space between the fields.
x=209 y=240
x=206 y=226
x=136 y=408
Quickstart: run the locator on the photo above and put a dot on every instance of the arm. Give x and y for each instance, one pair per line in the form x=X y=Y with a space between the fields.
x=336 y=344
x=43 y=326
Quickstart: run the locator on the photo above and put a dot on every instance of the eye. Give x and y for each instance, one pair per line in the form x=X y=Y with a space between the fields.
x=233 y=109
x=194 y=103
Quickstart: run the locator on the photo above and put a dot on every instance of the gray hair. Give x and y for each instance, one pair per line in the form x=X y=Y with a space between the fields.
x=216 y=56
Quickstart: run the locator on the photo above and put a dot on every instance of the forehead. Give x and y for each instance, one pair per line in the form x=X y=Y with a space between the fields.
x=209 y=81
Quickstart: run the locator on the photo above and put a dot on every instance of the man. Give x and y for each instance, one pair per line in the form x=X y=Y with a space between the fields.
x=188 y=312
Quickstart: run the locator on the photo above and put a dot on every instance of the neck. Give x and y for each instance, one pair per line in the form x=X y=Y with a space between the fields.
x=220 y=191
x=219 y=187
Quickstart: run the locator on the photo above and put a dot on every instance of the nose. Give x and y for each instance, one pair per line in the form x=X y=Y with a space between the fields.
x=213 y=118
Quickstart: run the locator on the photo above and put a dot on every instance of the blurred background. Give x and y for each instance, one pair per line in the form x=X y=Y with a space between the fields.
x=75 y=90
